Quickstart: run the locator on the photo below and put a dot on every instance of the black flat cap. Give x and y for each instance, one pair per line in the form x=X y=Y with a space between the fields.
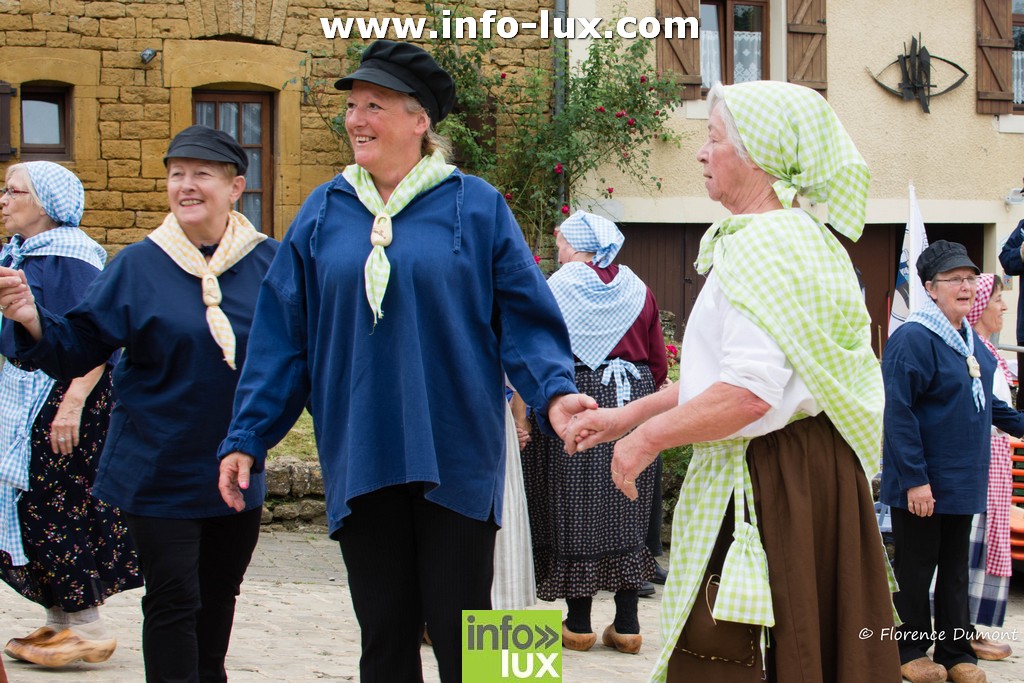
x=406 y=68
x=942 y=256
x=203 y=142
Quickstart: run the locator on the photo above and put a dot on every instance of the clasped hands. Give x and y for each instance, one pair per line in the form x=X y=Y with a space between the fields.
x=16 y=300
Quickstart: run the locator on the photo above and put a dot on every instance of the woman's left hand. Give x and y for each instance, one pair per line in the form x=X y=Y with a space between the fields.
x=628 y=462
x=64 y=428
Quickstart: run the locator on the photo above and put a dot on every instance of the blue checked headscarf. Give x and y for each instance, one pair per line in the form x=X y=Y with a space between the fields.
x=590 y=233
x=59 y=190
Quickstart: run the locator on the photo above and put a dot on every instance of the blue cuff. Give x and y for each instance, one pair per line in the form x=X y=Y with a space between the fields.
x=245 y=442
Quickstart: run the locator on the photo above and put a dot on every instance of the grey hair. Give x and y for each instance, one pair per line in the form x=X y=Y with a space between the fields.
x=432 y=140
x=716 y=98
x=22 y=169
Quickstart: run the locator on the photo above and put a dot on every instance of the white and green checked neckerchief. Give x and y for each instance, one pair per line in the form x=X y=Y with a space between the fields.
x=935 y=320
x=430 y=171
x=793 y=134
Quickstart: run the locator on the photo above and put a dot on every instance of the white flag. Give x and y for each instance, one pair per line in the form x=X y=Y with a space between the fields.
x=909 y=291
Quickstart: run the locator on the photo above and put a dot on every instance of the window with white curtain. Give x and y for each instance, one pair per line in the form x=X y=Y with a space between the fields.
x=1018 y=55
x=733 y=41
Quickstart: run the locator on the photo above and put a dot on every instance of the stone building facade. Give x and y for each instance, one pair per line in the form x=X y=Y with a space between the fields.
x=112 y=82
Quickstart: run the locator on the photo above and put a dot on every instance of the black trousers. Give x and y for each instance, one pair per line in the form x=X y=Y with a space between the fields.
x=924 y=544
x=193 y=569
x=412 y=562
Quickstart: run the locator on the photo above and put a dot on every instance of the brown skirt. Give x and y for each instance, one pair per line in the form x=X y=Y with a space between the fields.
x=825 y=564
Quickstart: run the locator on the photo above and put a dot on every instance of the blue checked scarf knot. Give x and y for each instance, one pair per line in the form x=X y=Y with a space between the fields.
x=617 y=368
x=935 y=320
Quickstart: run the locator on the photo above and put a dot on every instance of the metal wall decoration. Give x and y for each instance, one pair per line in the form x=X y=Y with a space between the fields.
x=916 y=71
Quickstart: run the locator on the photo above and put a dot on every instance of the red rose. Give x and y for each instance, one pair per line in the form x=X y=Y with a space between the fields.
x=565 y=209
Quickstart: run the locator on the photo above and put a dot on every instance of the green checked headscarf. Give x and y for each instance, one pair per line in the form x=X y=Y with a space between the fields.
x=430 y=171
x=793 y=134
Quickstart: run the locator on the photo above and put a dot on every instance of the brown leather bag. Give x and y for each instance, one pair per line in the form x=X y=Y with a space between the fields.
x=707 y=638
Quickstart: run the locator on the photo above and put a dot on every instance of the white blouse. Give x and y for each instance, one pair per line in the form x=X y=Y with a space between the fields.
x=722 y=345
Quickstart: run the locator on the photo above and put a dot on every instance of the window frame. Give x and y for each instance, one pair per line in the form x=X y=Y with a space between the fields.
x=726 y=9
x=266 y=141
x=54 y=94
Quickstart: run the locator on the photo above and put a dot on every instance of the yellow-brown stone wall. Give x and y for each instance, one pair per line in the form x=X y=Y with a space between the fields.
x=124 y=112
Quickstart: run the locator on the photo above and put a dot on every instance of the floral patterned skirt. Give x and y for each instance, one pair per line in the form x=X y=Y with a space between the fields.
x=79 y=549
x=587 y=536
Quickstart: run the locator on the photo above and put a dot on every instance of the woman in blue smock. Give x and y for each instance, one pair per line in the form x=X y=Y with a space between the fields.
x=180 y=303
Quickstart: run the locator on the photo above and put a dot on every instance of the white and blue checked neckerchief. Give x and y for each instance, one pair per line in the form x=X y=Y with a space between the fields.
x=61 y=241
x=935 y=320
x=23 y=393
x=596 y=314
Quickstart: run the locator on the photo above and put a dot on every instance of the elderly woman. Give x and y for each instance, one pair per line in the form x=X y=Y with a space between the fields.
x=939 y=411
x=60 y=547
x=990 y=563
x=782 y=398
x=586 y=536
x=402 y=289
x=180 y=303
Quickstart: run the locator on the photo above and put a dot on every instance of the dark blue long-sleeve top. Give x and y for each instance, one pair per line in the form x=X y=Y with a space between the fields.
x=419 y=397
x=173 y=391
x=1010 y=259
x=933 y=432
x=57 y=283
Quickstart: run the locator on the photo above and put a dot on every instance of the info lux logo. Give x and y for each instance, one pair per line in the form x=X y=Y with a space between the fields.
x=499 y=646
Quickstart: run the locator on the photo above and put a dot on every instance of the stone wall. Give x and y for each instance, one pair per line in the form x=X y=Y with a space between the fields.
x=124 y=111
x=295 y=494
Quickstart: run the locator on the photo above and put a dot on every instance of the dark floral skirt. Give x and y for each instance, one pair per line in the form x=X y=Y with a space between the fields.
x=587 y=536
x=78 y=548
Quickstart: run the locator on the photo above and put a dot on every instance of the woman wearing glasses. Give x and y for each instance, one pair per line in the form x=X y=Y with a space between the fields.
x=939 y=409
x=59 y=546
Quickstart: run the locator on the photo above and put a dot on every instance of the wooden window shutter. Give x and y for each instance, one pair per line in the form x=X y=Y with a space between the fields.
x=680 y=55
x=7 y=93
x=805 y=44
x=994 y=56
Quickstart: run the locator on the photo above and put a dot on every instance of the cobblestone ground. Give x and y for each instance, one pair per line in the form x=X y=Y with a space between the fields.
x=294 y=624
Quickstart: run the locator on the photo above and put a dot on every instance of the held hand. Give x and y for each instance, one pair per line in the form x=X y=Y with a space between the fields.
x=566 y=406
x=628 y=461
x=595 y=427
x=234 y=478
x=920 y=501
x=523 y=435
x=64 y=428
x=16 y=300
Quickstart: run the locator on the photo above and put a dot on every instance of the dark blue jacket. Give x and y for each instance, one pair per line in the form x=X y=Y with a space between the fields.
x=934 y=434
x=1009 y=257
x=173 y=391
